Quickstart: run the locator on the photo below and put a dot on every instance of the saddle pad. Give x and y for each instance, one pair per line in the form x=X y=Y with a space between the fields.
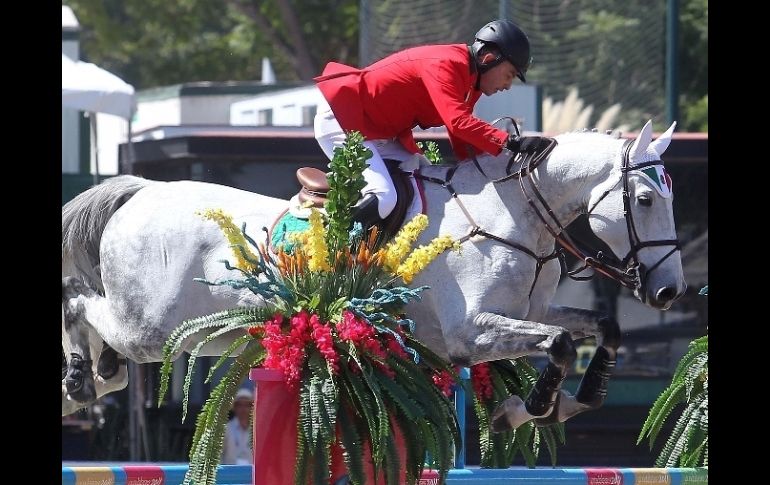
x=285 y=225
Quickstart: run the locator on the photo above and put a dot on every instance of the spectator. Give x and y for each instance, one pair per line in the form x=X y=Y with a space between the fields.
x=237 y=449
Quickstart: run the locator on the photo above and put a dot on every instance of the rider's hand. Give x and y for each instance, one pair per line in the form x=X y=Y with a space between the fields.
x=518 y=144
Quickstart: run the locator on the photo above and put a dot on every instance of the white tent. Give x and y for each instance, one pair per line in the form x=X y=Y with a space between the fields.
x=87 y=87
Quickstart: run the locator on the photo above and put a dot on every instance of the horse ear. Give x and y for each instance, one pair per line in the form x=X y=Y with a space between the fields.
x=663 y=140
x=642 y=141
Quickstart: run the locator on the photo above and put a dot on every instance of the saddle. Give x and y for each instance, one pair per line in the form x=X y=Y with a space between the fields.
x=315 y=186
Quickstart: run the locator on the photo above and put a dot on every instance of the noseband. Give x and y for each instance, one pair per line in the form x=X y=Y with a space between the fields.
x=629 y=272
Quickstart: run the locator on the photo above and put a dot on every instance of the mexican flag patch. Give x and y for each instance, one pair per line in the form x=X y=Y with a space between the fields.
x=660 y=179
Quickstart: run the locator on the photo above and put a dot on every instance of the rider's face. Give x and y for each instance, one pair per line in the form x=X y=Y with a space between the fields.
x=499 y=78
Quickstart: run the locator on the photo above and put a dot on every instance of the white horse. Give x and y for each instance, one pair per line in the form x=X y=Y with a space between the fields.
x=131 y=248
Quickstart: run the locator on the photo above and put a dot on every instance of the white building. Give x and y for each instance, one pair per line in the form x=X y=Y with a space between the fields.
x=297 y=107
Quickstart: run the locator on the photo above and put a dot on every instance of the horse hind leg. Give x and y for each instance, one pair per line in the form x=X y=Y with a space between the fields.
x=102 y=386
x=79 y=380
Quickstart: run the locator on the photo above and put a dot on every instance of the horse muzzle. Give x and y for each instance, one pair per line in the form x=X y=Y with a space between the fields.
x=660 y=297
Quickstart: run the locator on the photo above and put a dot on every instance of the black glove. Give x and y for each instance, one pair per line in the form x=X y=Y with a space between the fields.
x=518 y=144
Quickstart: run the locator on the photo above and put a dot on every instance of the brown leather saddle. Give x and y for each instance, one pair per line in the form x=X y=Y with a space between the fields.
x=315 y=186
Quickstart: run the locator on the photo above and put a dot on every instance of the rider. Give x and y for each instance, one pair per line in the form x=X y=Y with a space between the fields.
x=429 y=86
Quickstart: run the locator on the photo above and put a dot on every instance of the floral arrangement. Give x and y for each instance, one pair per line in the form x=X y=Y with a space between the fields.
x=688 y=443
x=333 y=324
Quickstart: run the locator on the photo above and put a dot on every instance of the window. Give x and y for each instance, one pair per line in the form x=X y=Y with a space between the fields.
x=308 y=114
x=265 y=117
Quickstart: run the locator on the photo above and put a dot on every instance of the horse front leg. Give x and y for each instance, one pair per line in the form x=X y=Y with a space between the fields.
x=495 y=337
x=592 y=389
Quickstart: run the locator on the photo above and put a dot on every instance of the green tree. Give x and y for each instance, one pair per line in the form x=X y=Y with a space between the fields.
x=694 y=64
x=152 y=42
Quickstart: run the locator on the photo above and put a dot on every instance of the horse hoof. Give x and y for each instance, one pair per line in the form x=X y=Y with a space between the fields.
x=510 y=414
x=108 y=364
x=500 y=424
x=81 y=390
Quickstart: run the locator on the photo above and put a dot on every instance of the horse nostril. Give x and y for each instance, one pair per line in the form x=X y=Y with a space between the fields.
x=666 y=294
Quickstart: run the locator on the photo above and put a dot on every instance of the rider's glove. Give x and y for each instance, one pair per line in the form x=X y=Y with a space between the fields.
x=518 y=144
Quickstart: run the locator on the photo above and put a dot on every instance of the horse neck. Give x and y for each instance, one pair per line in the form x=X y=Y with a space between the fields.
x=579 y=165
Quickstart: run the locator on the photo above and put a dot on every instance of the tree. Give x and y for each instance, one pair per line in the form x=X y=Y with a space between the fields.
x=694 y=64
x=152 y=42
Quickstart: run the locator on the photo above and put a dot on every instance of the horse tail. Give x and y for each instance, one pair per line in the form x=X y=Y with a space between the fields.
x=83 y=220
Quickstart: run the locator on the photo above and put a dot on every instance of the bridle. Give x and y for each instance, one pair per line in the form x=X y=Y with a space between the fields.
x=629 y=272
x=631 y=260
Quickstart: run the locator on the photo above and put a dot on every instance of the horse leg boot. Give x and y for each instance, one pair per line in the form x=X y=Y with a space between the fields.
x=79 y=380
x=592 y=389
x=593 y=386
x=544 y=396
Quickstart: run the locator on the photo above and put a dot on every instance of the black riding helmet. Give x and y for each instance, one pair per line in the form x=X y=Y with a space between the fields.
x=510 y=40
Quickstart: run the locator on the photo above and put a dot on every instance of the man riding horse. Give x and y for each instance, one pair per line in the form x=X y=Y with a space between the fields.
x=427 y=86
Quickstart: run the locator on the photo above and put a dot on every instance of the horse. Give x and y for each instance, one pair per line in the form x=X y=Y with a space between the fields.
x=131 y=248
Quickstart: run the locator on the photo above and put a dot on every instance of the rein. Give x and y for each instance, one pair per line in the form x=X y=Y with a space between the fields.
x=476 y=230
x=629 y=273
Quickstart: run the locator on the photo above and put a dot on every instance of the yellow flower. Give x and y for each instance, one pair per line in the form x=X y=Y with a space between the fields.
x=315 y=245
x=234 y=237
x=422 y=257
x=402 y=243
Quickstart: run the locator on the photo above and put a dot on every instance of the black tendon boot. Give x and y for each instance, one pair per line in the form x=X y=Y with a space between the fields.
x=366 y=211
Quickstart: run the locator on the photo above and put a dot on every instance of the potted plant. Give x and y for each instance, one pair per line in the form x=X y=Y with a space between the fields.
x=334 y=327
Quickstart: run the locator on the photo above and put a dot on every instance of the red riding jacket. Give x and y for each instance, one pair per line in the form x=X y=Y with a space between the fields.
x=422 y=86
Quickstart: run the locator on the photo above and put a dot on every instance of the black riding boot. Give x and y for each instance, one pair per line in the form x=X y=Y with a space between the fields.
x=366 y=211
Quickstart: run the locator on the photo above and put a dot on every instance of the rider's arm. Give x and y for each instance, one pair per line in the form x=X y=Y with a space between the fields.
x=448 y=96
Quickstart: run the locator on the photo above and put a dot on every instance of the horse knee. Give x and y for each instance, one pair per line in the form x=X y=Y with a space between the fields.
x=562 y=351
x=609 y=329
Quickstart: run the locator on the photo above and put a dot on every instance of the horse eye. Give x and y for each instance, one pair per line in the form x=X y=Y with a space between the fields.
x=644 y=200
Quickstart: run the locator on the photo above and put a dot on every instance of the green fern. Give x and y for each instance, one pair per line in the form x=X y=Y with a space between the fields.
x=206 y=450
x=687 y=446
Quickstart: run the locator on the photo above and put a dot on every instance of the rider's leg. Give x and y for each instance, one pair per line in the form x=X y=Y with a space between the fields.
x=382 y=200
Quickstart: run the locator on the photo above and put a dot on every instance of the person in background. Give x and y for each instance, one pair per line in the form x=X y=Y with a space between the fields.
x=237 y=449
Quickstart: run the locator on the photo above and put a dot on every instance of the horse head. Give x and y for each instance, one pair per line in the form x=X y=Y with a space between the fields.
x=632 y=212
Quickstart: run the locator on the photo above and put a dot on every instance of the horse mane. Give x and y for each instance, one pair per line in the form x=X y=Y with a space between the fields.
x=616 y=134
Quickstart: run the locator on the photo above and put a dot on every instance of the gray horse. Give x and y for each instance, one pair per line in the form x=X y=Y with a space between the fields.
x=131 y=248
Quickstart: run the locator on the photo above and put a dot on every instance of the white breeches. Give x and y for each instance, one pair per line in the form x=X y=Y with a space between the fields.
x=330 y=136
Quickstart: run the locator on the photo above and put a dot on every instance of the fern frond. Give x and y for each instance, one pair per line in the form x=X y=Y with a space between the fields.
x=688 y=442
x=208 y=440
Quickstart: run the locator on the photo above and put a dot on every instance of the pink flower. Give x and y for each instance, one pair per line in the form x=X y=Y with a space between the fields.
x=322 y=334
x=444 y=381
x=394 y=347
x=481 y=379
